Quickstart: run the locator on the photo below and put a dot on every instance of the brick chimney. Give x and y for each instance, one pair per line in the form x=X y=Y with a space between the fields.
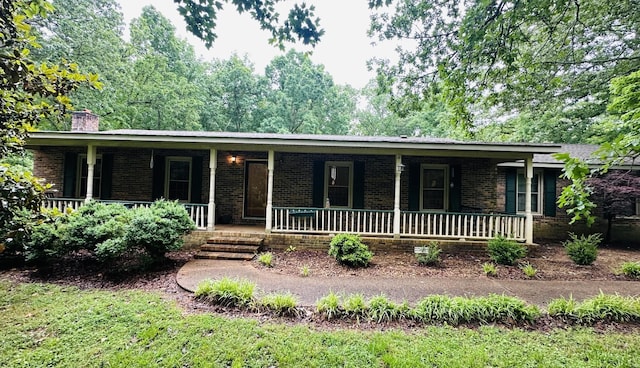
x=84 y=121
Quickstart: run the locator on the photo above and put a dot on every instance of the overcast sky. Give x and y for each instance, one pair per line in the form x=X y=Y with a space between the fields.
x=344 y=49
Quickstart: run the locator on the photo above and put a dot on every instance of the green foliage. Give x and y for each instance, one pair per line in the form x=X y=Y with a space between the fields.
x=329 y=306
x=159 y=228
x=305 y=271
x=355 y=306
x=489 y=269
x=583 y=250
x=432 y=255
x=266 y=259
x=505 y=251
x=529 y=270
x=381 y=309
x=227 y=292
x=457 y=310
x=349 y=250
x=631 y=269
x=281 y=304
x=601 y=308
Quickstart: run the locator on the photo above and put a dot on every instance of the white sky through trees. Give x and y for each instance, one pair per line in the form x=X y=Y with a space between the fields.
x=343 y=50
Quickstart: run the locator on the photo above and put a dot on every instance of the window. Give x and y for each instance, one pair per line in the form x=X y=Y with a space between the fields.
x=434 y=181
x=338 y=178
x=178 y=179
x=83 y=172
x=536 y=192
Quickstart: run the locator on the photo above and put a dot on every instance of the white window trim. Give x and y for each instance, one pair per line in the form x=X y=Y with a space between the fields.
x=167 y=170
x=327 y=173
x=79 y=167
x=446 y=186
x=540 y=174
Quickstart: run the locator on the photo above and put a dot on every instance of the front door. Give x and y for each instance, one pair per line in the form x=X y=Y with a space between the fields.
x=255 y=189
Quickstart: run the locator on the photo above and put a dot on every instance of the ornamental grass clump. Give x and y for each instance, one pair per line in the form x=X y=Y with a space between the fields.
x=355 y=307
x=381 y=309
x=281 y=304
x=329 y=306
x=504 y=251
x=227 y=292
x=489 y=269
x=529 y=270
x=266 y=259
x=583 y=250
x=601 y=308
x=349 y=250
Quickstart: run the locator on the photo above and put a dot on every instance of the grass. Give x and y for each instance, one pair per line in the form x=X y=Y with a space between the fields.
x=227 y=292
x=266 y=259
x=631 y=269
x=489 y=269
x=46 y=325
x=529 y=270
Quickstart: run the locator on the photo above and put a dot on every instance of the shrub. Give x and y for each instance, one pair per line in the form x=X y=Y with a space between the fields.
x=281 y=304
x=489 y=269
x=42 y=238
x=583 y=250
x=631 y=269
x=431 y=256
x=349 y=250
x=329 y=306
x=227 y=292
x=266 y=259
x=505 y=251
x=158 y=229
x=529 y=270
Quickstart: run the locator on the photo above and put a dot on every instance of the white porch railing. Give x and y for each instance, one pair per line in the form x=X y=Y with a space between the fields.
x=469 y=226
x=462 y=225
x=332 y=220
x=197 y=212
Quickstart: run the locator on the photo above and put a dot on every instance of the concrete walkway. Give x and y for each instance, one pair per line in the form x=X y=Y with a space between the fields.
x=310 y=289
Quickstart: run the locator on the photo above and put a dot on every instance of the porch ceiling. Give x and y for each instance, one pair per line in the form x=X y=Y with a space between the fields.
x=412 y=146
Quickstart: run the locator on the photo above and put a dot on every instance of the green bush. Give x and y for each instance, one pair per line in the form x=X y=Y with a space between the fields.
x=631 y=269
x=355 y=306
x=504 y=251
x=227 y=292
x=431 y=256
x=43 y=239
x=158 y=229
x=529 y=270
x=96 y=223
x=489 y=269
x=349 y=250
x=583 y=250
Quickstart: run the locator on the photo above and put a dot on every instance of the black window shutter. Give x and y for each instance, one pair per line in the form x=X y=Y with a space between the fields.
x=511 y=175
x=158 y=177
x=549 y=187
x=196 y=179
x=318 y=184
x=69 y=178
x=107 y=176
x=455 y=188
x=414 y=187
x=358 y=185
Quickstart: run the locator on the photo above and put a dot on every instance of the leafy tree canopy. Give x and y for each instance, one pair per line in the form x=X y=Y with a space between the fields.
x=201 y=17
x=508 y=57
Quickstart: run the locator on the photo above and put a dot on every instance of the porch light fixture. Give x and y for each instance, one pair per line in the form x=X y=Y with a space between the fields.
x=233 y=159
x=151 y=161
x=400 y=168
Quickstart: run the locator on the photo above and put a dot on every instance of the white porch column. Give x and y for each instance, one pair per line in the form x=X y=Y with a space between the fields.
x=269 y=217
x=211 y=208
x=91 y=163
x=396 y=200
x=528 y=222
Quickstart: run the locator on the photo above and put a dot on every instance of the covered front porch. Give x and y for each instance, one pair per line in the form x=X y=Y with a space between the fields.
x=386 y=187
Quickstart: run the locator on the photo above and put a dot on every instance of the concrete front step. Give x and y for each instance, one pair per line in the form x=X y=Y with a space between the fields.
x=233 y=248
x=253 y=241
x=224 y=255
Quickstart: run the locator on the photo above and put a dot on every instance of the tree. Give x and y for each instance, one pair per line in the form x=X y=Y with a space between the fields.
x=514 y=57
x=201 y=16
x=302 y=98
x=63 y=34
x=29 y=93
x=616 y=194
x=623 y=148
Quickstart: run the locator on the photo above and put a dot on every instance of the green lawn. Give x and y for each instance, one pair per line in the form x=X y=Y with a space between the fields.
x=46 y=325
